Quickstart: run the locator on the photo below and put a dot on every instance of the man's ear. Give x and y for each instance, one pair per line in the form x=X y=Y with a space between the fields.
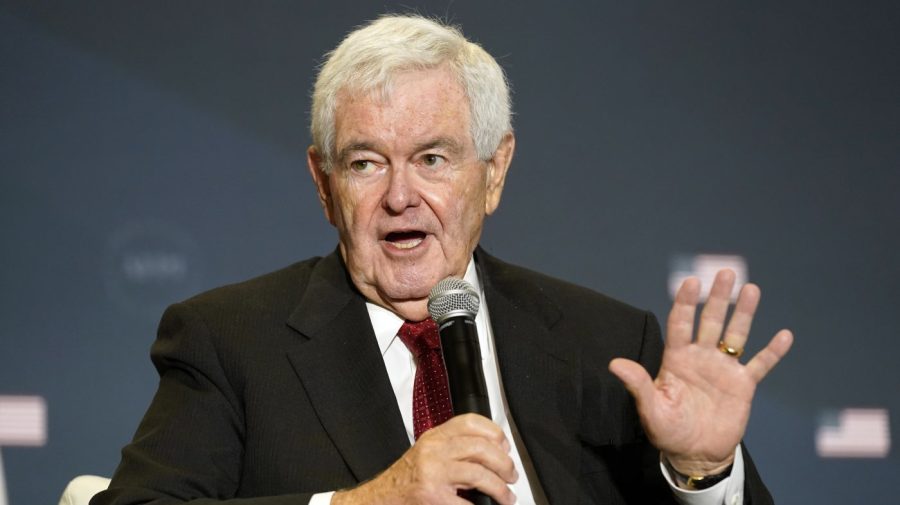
x=316 y=163
x=497 y=167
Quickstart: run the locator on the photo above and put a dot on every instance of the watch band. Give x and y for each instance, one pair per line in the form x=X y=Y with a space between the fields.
x=698 y=482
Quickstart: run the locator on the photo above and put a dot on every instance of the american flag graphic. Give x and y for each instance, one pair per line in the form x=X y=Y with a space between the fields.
x=23 y=421
x=854 y=433
x=705 y=267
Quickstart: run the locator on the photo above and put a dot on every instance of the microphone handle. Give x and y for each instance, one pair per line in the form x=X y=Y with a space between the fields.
x=468 y=392
x=479 y=498
x=462 y=357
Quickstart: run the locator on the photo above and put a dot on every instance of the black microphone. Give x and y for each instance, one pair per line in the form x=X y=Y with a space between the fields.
x=453 y=304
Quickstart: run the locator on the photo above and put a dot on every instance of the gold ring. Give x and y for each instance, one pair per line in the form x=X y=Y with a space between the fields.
x=734 y=352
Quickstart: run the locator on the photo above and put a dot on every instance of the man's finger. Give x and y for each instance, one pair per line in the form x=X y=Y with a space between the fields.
x=712 y=319
x=483 y=452
x=767 y=358
x=739 y=326
x=472 y=425
x=466 y=475
x=680 y=325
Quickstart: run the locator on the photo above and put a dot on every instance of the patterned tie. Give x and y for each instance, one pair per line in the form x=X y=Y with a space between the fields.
x=431 y=393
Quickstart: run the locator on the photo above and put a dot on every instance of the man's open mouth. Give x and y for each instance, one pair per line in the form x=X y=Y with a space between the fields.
x=405 y=239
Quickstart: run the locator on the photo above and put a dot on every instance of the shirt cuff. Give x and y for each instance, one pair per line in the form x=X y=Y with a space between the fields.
x=321 y=498
x=729 y=491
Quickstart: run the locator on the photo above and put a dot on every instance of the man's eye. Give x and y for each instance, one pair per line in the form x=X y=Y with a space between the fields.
x=363 y=166
x=432 y=160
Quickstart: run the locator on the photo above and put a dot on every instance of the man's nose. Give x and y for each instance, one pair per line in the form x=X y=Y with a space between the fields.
x=402 y=191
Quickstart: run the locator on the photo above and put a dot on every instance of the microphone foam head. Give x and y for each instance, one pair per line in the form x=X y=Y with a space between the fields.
x=452 y=297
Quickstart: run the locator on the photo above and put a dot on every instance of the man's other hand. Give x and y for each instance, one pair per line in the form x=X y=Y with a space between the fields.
x=467 y=452
x=696 y=410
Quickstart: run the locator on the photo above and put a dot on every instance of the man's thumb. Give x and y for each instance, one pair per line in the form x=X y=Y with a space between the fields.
x=637 y=381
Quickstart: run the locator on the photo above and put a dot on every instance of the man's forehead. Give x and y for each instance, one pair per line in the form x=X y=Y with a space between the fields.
x=424 y=109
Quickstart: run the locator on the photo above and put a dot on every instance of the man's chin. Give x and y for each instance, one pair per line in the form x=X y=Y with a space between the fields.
x=403 y=281
x=407 y=298
x=407 y=295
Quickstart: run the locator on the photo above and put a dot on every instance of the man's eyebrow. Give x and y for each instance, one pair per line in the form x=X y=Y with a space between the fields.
x=356 y=146
x=440 y=143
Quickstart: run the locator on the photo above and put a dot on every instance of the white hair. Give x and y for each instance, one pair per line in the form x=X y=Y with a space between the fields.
x=369 y=57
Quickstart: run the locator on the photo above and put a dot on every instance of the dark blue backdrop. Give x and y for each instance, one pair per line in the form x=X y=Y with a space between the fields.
x=153 y=150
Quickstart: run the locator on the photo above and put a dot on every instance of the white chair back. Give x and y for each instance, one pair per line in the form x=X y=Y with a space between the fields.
x=82 y=488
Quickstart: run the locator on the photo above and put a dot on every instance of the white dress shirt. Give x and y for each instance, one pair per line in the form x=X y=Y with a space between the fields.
x=401 y=369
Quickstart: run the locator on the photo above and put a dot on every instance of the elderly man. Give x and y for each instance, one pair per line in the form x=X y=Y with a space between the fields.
x=319 y=383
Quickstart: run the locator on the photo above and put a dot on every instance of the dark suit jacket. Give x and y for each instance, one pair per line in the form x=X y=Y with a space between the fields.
x=274 y=389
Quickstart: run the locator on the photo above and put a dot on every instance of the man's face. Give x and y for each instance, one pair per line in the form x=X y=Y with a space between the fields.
x=407 y=192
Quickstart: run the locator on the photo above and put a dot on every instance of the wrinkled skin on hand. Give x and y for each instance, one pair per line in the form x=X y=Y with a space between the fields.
x=467 y=452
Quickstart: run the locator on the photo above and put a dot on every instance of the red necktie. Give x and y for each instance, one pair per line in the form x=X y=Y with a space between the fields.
x=431 y=393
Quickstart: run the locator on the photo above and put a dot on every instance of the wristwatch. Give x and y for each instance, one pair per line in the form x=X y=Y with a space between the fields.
x=698 y=482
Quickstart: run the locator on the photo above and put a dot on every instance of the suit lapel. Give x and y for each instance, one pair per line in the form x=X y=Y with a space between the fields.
x=342 y=371
x=540 y=376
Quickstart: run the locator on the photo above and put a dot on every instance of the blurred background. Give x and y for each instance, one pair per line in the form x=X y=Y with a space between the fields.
x=152 y=150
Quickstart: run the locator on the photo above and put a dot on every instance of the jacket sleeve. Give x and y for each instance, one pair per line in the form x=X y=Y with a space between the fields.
x=189 y=446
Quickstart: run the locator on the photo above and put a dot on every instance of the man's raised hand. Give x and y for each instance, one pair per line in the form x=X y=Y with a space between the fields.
x=696 y=410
